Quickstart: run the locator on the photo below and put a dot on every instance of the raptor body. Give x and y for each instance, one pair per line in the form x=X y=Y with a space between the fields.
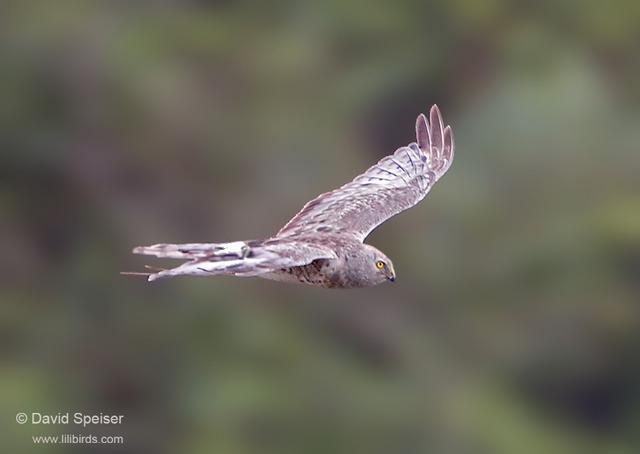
x=323 y=245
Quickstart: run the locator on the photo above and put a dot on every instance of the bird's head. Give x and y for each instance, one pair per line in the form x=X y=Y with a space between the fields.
x=380 y=266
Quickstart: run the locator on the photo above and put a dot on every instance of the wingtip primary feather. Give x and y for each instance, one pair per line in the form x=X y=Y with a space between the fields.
x=422 y=132
x=436 y=127
x=435 y=140
x=448 y=144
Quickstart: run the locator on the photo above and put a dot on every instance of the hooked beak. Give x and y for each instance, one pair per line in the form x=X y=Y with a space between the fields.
x=392 y=275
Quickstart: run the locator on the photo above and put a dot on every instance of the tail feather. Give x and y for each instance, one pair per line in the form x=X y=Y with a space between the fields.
x=205 y=259
x=205 y=267
x=236 y=249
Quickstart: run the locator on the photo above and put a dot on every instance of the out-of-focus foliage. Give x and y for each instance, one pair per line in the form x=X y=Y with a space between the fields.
x=514 y=326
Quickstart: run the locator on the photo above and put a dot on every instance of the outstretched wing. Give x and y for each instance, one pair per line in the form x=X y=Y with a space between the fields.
x=393 y=185
x=240 y=258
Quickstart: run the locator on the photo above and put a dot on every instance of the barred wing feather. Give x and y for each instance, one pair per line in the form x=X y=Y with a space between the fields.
x=394 y=184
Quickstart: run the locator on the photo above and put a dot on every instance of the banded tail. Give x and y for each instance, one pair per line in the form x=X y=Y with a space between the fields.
x=204 y=259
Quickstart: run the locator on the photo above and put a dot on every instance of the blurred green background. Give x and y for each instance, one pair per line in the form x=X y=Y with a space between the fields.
x=514 y=326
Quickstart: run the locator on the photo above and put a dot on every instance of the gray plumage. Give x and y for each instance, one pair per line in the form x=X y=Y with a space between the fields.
x=323 y=245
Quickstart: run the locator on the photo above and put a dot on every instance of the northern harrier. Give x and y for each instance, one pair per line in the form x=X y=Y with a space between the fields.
x=323 y=244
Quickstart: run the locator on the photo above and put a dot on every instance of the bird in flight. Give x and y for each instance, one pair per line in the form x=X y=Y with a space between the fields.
x=323 y=245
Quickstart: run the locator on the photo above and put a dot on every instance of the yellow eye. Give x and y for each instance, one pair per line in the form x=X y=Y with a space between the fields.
x=380 y=264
